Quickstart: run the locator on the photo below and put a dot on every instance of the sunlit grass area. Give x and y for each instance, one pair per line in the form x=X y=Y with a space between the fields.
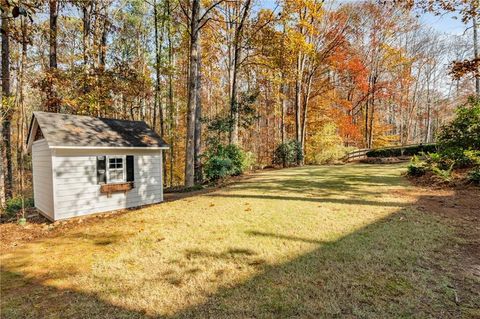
x=330 y=241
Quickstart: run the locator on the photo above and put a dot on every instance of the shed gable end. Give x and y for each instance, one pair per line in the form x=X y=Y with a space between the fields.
x=38 y=134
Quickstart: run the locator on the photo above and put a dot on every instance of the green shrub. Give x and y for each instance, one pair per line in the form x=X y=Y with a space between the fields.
x=432 y=158
x=386 y=152
x=444 y=174
x=217 y=167
x=438 y=160
x=416 y=170
x=463 y=133
x=237 y=156
x=416 y=167
x=14 y=205
x=474 y=175
x=403 y=151
x=473 y=156
x=418 y=149
x=222 y=161
x=458 y=146
x=459 y=141
x=288 y=154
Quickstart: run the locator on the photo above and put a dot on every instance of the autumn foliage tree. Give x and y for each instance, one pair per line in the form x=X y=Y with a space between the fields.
x=330 y=78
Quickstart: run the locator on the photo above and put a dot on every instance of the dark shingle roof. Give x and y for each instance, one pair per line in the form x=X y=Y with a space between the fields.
x=85 y=131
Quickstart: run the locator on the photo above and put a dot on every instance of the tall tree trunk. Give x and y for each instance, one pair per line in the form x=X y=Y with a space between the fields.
x=86 y=9
x=157 y=104
x=372 y=113
x=7 y=108
x=102 y=57
x=300 y=67
x=428 y=120
x=367 y=110
x=303 y=128
x=103 y=45
x=158 y=97
x=237 y=44
x=283 y=106
x=171 y=106
x=21 y=99
x=298 y=96
x=198 y=122
x=52 y=99
x=2 y=183
x=476 y=50
x=283 y=87
x=21 y=131
x=192 y=95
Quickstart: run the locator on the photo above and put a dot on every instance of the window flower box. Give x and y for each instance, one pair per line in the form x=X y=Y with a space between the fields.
x=115 y=188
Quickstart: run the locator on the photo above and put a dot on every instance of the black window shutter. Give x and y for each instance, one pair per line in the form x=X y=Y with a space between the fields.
x=130 y=169
x=101 y=170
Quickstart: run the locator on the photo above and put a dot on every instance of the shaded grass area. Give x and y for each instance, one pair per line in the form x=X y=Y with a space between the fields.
x=314 y=242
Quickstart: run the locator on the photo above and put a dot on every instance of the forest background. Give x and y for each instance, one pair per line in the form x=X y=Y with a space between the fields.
x=219 y=77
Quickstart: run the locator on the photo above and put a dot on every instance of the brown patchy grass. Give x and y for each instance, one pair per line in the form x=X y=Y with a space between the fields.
x=353 y=241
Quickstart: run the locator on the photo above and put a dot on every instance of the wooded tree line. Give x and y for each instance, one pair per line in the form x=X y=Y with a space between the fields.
x=329 y=76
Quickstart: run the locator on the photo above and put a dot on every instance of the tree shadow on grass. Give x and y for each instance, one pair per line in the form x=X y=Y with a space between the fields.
x=29 y=298
x=321 y=180
x=288 y=237
x=344 y=201
x=383 y=270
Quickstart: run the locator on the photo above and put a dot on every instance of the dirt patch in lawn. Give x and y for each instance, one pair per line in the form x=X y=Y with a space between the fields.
x=457 y=181
x=13 y=235
x=460 y=208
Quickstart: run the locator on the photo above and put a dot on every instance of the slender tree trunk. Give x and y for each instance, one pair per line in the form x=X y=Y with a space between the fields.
x=86 y=43
x=300 y=67
x=2 y=183
x=372 y=113
x=157 y=71
x=237 y=43
x=234 y=111
x=283 y=106
x=102 y=57
x=476 y=51
x=304 y=118
x=298 y=96
x=198 y=122
x=299 y=87
x=52 y=99
x=283 y=87
x=21 y=131
x=158 y=95
x=20 y=105
x=367 y=110
x=429 y=116
x=53 y=33
x=171 y=105
x=7 y=108
x=192 y=95
x=103 y=45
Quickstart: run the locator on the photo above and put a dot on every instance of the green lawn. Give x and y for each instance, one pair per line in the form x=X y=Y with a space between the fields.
x=310 y=242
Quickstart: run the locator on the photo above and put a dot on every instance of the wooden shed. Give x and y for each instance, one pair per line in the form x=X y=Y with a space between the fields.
x=84 y=165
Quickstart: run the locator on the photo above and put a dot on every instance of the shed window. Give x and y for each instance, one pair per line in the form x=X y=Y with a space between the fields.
x=116 y=169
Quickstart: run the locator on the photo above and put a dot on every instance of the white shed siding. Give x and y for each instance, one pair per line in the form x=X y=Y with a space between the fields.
x=42 y=177
x=77 y=192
